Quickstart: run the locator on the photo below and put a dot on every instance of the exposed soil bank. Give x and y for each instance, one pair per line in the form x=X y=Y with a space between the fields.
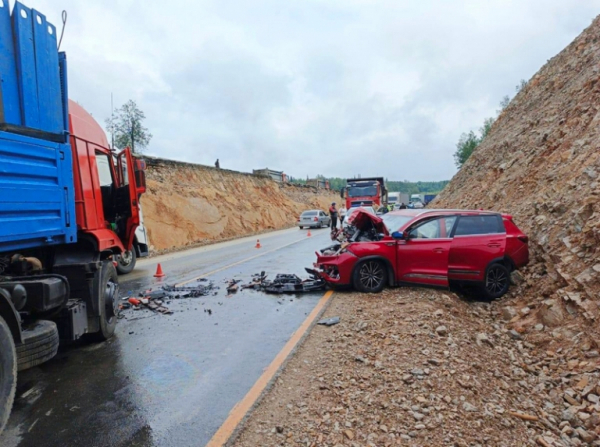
x=187 y=203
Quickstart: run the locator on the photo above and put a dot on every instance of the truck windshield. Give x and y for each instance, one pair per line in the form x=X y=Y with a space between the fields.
x=362 y=191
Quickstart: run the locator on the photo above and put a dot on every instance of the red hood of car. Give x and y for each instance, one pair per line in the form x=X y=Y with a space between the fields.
x=363 y=220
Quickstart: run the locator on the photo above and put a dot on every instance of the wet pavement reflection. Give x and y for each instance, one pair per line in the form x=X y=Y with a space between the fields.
x=168 y=380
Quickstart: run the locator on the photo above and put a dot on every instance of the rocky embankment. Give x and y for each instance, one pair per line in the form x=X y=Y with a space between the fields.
x=541 y=163
x=417 y=367
x=186 y=204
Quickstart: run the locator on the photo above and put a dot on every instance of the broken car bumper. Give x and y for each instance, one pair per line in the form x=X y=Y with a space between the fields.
x=336 y=269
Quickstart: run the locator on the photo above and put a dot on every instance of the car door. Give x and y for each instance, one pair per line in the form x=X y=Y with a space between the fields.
x=423 y=257
x=477 y=241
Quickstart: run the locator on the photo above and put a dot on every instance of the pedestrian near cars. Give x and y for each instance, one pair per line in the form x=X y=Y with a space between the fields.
x=333 y=213
x=402 y=206
x=342 y=214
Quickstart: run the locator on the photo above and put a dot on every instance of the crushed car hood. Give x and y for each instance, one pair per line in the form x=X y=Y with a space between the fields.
x=364 y=220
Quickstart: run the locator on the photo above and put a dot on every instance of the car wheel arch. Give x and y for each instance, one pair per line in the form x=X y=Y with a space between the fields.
x=389 y=268
x=505 y=260
x=509 y=263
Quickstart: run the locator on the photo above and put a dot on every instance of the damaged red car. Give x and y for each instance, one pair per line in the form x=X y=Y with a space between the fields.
x=426 y=247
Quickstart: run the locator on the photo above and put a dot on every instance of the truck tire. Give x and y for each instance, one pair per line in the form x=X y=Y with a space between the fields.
x=107 y=289
x=40 y=344
x=8 y=372
x=126 y=262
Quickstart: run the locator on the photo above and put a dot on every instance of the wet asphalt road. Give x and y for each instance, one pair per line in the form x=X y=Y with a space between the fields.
x=169 y=380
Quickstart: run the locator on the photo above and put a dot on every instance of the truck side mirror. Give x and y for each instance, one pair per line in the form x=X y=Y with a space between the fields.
x=140 y=176
x=398 y=235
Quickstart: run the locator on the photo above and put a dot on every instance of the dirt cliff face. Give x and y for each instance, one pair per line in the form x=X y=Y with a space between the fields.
x=186 y=203
x=541 y=163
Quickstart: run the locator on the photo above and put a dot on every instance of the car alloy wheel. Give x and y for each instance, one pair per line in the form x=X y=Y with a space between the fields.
x=496 y=280
x=371 y=275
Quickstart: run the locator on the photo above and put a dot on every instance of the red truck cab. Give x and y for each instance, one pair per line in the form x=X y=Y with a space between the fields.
x=106 y=193
x=364 y=192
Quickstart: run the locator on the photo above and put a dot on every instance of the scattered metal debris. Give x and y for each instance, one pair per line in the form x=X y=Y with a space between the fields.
x=232 y=286
x=285 y=283
x=329 y=321
x=190 y=292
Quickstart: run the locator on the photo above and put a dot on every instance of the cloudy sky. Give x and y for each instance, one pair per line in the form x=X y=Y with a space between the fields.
x=333 y=87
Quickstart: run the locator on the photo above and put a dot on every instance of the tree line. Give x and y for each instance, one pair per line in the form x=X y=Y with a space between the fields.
x=405 y=186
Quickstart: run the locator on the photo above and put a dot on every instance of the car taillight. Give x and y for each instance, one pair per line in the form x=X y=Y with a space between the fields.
x=316 y=219
x=524 y=239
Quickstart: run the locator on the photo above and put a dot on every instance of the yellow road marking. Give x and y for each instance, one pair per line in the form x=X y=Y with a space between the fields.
x=241 y=409
x=204 y=275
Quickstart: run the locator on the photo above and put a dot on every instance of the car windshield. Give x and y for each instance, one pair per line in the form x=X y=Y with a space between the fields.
x=362 y=191
x=309 y=213
x=368 y=209
x=393 y=222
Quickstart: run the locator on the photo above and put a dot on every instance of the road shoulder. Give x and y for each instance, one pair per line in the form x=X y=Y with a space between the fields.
x=407 y=367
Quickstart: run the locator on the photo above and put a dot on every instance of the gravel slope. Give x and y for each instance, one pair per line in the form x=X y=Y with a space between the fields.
x=424 y=367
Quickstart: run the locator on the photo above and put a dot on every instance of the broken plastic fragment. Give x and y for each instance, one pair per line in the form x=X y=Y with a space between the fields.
x=329 y=321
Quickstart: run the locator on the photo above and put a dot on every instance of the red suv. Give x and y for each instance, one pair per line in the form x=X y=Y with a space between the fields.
x=426 y=247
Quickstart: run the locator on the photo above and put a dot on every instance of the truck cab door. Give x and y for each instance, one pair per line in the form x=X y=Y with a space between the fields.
x=128 y=197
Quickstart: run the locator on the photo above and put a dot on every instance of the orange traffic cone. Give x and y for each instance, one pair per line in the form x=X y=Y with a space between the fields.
x=258 y=244
x=308 y=234
x=159 y=273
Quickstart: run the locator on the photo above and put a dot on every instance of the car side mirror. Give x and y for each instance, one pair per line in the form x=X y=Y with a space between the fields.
x=398 y=235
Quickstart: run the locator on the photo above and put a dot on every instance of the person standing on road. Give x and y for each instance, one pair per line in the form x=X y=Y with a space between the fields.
x=342 y=214
x=333 y=213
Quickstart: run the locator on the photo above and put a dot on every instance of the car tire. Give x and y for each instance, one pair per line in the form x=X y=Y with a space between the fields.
x=8 y=372
x=107 y=290
x=126 y=264
x=496 y=281
x=301 y=227
x=40 y=344
x=369 y=276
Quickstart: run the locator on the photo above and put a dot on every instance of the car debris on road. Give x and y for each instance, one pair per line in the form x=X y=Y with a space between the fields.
x=329 y=321
x=285 y=283
x=155 y=299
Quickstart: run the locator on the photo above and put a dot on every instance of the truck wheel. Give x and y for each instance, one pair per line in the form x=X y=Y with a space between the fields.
x=8 y=372
x=40 y=343
x=108 y=297
x=126 y=261
x=369 y=276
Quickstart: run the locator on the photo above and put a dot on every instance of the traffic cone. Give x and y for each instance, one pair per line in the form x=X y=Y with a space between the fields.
x=258 y=243
x=308 y=234
x=159 y=273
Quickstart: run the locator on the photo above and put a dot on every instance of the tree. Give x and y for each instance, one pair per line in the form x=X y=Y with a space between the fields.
x=465 y=147
x=504 y=103
x=521 y=85
x=127 y=128
x=487 y=126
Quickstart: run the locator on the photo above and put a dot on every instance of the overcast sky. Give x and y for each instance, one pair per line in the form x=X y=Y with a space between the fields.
x=336 y=87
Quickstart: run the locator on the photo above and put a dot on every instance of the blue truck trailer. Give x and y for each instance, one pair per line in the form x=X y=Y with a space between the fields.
x=68 y=206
